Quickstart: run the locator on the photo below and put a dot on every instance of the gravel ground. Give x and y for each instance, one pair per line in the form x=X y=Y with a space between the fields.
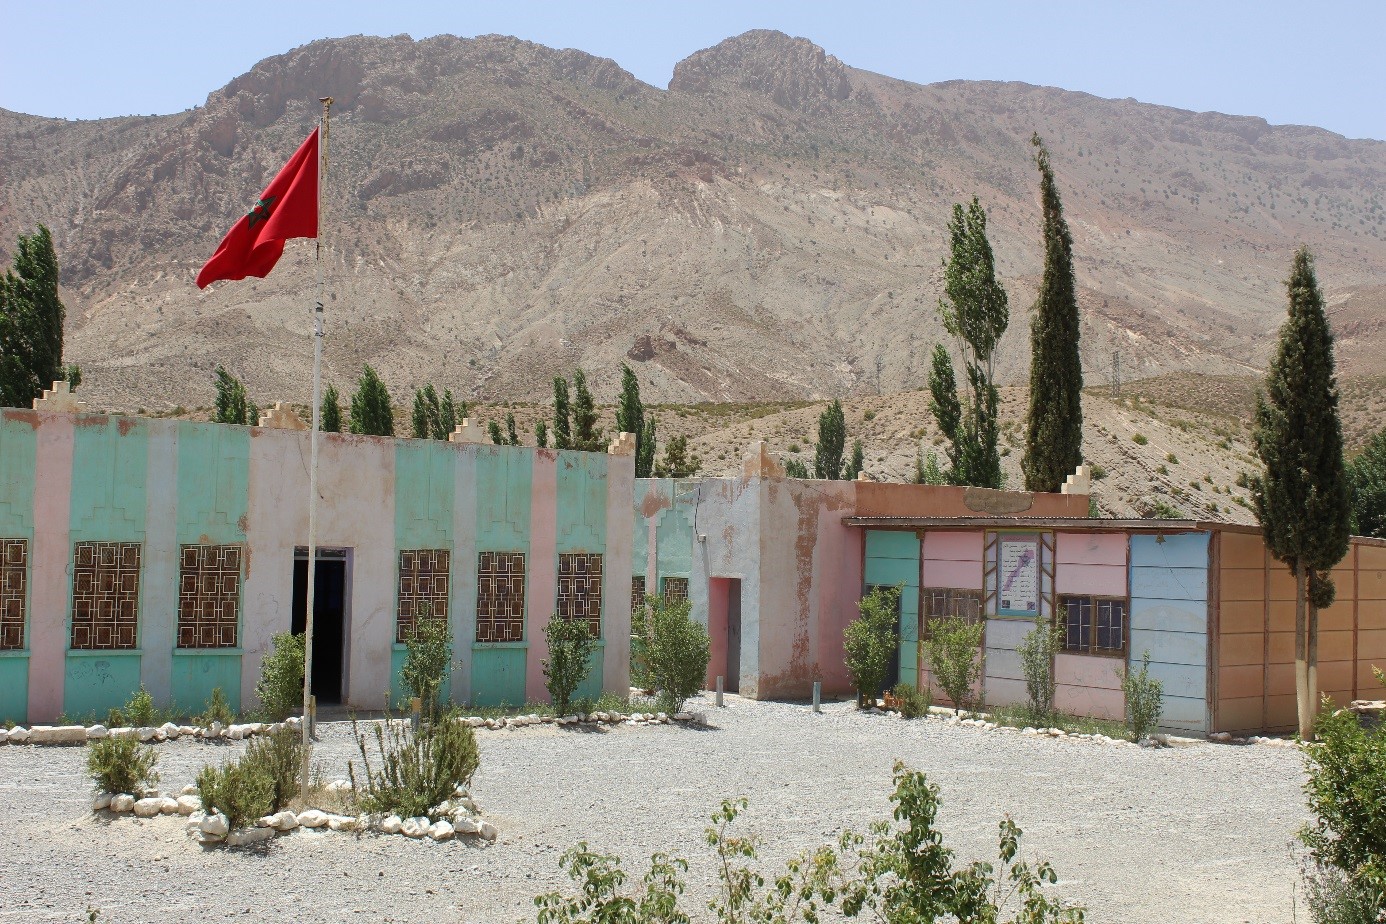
x=1191 y=834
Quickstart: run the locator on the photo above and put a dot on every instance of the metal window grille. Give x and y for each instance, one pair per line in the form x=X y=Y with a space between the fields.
x=209 y=596
x=1097 y=625
x=105 y=595
x=580 y=589
x=676 y=588
x=500 y=597
x=14 y=586
x=950 y=603
x=637 y=592
x=423 y=588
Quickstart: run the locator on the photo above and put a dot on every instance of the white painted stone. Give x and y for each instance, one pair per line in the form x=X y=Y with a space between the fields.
x=188 y=790
x=171 y=731
x=465 y=824
x=487 y=830
x=194 y=823
x=4 y=735
x=148 y=808
x=1221 y=737
x=168 y=806
x=476 y=721
x=247 y=837
x=186 y=730
x=341 y=823
x=215 y=824
x=188 y=804
x=414 y=827
x=235 y=732
x=208 y=839
x=264 y=821
x=284 y=821
x=391 y=824
x=97 y=732
x=19 y=735
x=60 y=734
x=312 y=818
x=294 y=721
x=123 y=802
x=1027 y=730
x=147 y=733
x=683 y=716
x=101 y=800
x=441 y=831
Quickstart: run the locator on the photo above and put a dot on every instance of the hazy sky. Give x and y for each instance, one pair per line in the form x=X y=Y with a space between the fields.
x=1315 y=63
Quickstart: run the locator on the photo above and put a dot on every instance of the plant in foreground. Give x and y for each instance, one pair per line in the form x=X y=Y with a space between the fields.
x=1145 y=698
x=677 y=652
x=428 y=651
x=280 y=689
x=407 y=773
x=955 y=658
x=122 y=765
x=869 y=642
x=571 y=645
x=1036 y=652
x=912 y=702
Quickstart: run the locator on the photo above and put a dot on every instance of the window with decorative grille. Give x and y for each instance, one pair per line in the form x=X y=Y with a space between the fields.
x=1095 y=625
x=423 y=588
x=580 y=589
x=105 y=595
x=209 y=596
x=637 y=592
x=948 y=603
x=500 y=597
x=676 y=588
x=14 y=591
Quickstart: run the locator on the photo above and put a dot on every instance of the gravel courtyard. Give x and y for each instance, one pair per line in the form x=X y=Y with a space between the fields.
x=1198 y=833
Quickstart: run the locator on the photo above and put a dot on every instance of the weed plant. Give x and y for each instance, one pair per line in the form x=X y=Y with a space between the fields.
x=870 y=641
x=1036 y=652
x=427 y=654
x=409 y=774
x=218 y=710
x=242 y=790
x=1145 y=697
x=912 y=702
x=122 y=765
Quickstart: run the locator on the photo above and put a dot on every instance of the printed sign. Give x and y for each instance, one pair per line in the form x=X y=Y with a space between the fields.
x=1018 y=576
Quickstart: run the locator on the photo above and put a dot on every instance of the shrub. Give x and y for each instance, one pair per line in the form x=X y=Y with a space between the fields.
x=218 y=710
x=1145 y=698
x=1036 y=652
x=139 y=712
x=1139 y=439
x=122 y=765
x=280 y=689
x=570 y=645
x=279 y=756
x=1171 y=458
x=911 y=702
x=677 y=652
x=1098 y=472
x=870 y=641
x=796 y=468
x=242 y=790
x=954 y=659
x=427 y=653
x=412 y=773
x=639 y=643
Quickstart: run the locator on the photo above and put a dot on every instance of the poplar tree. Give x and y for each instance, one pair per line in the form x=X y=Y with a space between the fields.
x=944 y=405
x=562 y=415
x=832 y=438
x=447 y=416
x=630 y=418
x=371 y=413
x=231 y=406
x=1054 y=423
x=858 y=463
x=422 y=429
x=1301 y=497
x=331 y=416
x=587 y=436
x=541 y=435
x=31 y=322
x=1367 y=484
x=493 y=430
x=511 y=437
x=645 y=452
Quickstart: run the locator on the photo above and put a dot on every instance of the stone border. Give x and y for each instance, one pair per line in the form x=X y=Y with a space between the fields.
x=81 y=734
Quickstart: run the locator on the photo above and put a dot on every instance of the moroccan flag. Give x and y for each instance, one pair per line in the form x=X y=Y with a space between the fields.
x=287 y=208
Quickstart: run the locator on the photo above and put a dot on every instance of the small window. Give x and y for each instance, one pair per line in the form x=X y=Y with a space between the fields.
x=14 y=584
x=105 y=595
x=209 y=596
x=637 y=592
x=676 y=588
x=580 y=589
x=1094 y=625
x=949 y=603
x=423 y=588
x=500 y=597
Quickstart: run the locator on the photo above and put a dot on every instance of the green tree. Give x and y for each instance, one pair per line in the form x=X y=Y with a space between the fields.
x=1367 y=482
x=947 y=409
x=974 y=311
x=493 y=430
x=869 y=641
x=420 y=421
x=955 y=657
x=72 y=375
x=676 y=651
x=562 y=415
x=231 y=405
x=1301 y=497
x=630 y=418
x=331 y=420
x=427 y=657
x=1054 y=423
x=927 y=469
x=447 y=416
x=31 y=322
x=858 y=463
x=795 y=468
x=370 y=406
x=677 y=461
x=587 y=436
x=571 y=645
x=541 y=435
x=512 y=438
x=832 y=439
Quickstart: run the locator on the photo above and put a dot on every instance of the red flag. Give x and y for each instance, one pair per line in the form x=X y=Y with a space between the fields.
x=287 y=208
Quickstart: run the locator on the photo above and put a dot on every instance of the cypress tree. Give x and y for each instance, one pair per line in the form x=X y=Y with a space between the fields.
x=541 y=435
x=858 y=463
x=562 y=415
x=252 y=414
x=1367 y=483
x=447 y=416
x=331 y=415
x=371 y=413
x=832 y=439
x=511 y=437
x=587 y=436
x=14 y=386
x=422 y=430
x=1301 y=497
x=677 y=461
x=795 y=468
x=1054 y=423
x=944 y=405
x=645 y=452
x=39 y=310
x=230 y=407
x=493 y=430
x=630 y=418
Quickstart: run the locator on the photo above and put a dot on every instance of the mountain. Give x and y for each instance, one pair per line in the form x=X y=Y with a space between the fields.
x=769 y=227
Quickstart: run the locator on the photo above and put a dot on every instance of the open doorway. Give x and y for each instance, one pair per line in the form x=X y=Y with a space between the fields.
x=329 y=619
x=724 y=632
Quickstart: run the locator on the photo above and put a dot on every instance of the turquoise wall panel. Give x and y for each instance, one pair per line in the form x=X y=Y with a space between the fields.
x=399 y=696
x=498 y=676
x=213 y=483
x=591 y=686
x=581 y=501
x=674 y=541
x=909 y=612
x=14 y=688
x=109 y=461
x=892 y=572
x=94 y=682
x=892 y=559
x=18 y=453
x=504 y=482
x=889 y=543
x=425 y=486
x=909 y=663
x=195 y=676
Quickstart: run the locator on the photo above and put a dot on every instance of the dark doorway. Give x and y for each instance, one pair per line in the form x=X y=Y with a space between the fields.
x=329 y=620
x=733 y=679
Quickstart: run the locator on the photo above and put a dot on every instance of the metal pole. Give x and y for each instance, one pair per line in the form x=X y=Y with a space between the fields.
x=818 y=696
x=313 y=461
x=719 y=691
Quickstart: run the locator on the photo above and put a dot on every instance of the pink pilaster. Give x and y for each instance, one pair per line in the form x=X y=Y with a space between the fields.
x=49 y=607
x=541 y=591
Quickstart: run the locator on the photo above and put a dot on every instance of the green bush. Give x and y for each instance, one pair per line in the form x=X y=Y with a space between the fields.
x=870 y=641
x=912 y=702
x=427 y=653
x=1036 y=652
x=677 y=652
x=570 y=644
x=639 y=645
x=411 y=773
x=122 y=765
x=139 y=712
x=280 y=689
x=241 y=790
x=955 y=659
x=1145 y=698
x=278 y=756
x=218 y=710
x=1139 y=439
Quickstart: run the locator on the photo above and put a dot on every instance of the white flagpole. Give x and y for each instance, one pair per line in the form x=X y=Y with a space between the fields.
x=313 y=455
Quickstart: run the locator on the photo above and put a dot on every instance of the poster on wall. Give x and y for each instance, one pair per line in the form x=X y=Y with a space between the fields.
x=1018 y=576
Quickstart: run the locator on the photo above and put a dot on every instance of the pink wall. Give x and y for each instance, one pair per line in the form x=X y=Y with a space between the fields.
x=1088 y=685
x=542 y=582
x=717 y=607
x=952 y=559
x=1091 y=563
x=48 y=609
x=620 y=537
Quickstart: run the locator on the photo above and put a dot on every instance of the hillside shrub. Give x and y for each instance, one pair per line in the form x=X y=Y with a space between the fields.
x=955 y=658
x=571 y=645
x=407 y=773
x=678 y=651
x=870 y=642
x=280 y=689
x=122 y=765
x=1036 y=652
x=1145 y=698
x=427 y=653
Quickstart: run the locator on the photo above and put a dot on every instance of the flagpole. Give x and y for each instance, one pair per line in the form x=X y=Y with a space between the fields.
x=313 y=456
